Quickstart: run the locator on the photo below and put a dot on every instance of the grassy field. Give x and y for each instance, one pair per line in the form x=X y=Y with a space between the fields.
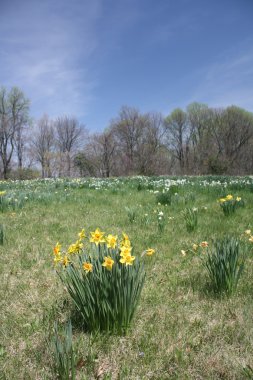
x=179 y=331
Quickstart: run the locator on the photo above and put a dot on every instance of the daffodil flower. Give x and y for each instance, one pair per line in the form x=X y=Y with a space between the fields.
x=128 y=260
x=108 y=262
x=88 y=267
x=97 y=237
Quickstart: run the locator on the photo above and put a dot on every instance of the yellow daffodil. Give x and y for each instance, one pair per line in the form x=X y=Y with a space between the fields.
x=125 y=236
x=229 y=197
x=150 y=251
x=247 y=232
x=57 y=248
x=58 y=258
x=75 y=247
x=111 y=241
x=108 y=262
x=97 y=237
x=128 y=260
x=183 y=252
x=82 y=234
x=88 y=267
x=238 y=199
x=222 y=200
x=125 y=241
x=204 y=244
x=125 y=251
x=195 y=247
x=65 y=261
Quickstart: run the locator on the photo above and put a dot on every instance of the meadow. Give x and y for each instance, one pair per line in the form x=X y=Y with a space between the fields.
x=181 y=328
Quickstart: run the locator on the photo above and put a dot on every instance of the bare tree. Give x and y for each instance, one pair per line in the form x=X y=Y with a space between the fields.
x=149 y=144
x=128 y=129
x=14 y=109
x=42 y=145
x=177 y=135
x=102 y=149
x=69 y=137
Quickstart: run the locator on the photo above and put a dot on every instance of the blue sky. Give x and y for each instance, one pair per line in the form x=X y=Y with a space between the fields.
x=87 y=58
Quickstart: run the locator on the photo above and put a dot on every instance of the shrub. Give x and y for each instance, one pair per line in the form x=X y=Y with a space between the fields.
x=104 y=282
x=224 y=264
x=24 y=174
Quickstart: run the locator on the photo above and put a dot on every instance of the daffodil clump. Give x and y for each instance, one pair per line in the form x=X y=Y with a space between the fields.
x=103 y=278
x=191 y=218
x=223 y=260
x=230 y=203
x=225 y=263
x=3 y=202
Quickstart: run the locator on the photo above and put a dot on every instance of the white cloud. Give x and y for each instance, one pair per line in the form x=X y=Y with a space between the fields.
x=228 y=81
x=46 y=49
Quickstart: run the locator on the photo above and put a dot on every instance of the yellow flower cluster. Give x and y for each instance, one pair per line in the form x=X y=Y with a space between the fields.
x=229 y=197
x=123 y=249
x=72 y=249
x=75 y=247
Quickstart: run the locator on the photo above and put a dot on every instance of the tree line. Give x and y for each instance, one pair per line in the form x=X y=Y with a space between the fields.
x=198 y=140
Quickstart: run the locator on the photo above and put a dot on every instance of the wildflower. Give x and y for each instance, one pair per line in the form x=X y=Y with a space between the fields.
x=183 y=252
x=82 y=234
x=97 y=237
x=247 y=232
x=75 y=247
x=128 y=260
x=65 y=261
x=57 y=248
x=125 y=251
x=222 y=200
x=204 y=244
x=58 y=258
x=108 y=263
x=160 y=213
x=195 y=247
x=125 y=242
x=111 y=241
x=88 y=267
x=229 y=197
x=251 y=239
x=150 y=251
x=238 y=199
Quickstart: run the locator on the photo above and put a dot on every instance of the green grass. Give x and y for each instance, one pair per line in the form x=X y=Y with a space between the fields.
x=179 y=330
